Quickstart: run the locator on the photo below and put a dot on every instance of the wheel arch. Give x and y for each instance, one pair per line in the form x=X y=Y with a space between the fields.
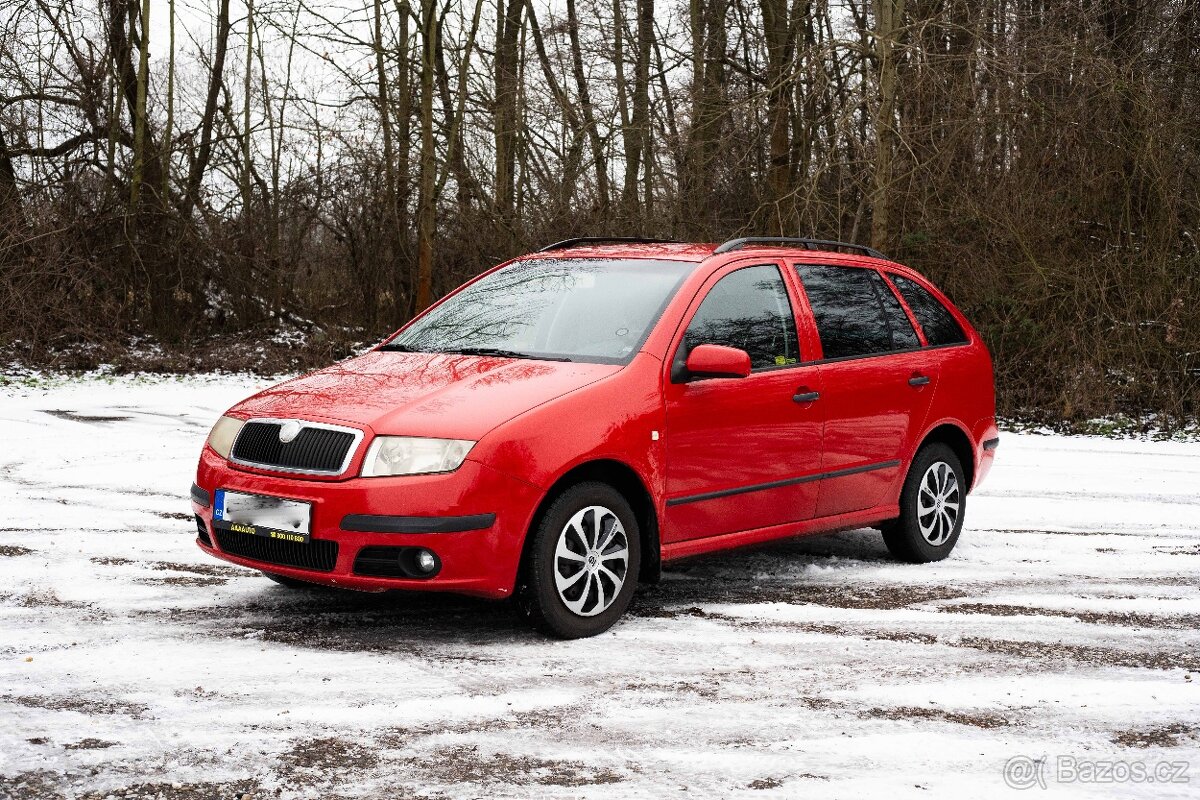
x=954 y=436
x=629 y=483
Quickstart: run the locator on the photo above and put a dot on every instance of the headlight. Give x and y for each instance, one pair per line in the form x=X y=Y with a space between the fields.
x=223 y=433
x=409 y=455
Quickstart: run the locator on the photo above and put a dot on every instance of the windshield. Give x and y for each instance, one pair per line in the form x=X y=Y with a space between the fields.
x=597 y=310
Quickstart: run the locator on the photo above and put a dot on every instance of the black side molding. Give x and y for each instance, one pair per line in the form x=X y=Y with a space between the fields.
x=991 y=444
x=200 y=497
x=381 y=523
x=759 y=487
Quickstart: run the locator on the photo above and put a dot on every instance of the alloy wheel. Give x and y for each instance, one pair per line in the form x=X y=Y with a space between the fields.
x=938 y=502
x=591 y=561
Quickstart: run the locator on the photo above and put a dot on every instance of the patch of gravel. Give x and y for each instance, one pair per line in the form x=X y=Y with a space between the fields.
x=112 y=561
x=1097 y=656
x=657 y=601
x=177 y=791
x=975 y=720
x=90 y=744
x=1122 y=618
x=39 y=784
x=468 y=765
x=315 y=757
x=83 y=705
x=183 y=580
x=1172 y=735
x=215 y=570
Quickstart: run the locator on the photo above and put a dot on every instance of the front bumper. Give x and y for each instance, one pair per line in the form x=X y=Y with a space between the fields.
x=482 y=516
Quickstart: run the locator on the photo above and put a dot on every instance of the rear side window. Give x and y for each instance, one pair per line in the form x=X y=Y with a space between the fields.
x=855 y=312
x=904 y=337
x=939 y=324
x=748 y=309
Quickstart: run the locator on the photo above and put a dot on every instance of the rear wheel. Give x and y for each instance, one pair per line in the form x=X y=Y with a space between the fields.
x=932 y=505
x=583 y=562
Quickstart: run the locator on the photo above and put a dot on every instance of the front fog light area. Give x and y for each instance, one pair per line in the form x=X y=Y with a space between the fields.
x=411 y=455
x=397 y=561
x=426 y=561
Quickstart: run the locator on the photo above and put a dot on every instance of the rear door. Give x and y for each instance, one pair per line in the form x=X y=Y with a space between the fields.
x=876 y=384
x=742 y=453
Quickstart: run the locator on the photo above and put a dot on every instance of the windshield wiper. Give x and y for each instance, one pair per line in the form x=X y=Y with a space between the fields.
x=501 y=353
x=470 y=351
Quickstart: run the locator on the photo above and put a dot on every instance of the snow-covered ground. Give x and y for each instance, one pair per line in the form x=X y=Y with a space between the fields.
x=1066 y=625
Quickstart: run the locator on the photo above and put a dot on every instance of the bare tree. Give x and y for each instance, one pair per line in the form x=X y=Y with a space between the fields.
x=1038 y=159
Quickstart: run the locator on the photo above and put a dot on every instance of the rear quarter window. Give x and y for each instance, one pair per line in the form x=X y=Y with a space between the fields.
x=940 y=326
x=856 y=313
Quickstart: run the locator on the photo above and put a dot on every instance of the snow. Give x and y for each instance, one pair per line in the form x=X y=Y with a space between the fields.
x=1065 y=624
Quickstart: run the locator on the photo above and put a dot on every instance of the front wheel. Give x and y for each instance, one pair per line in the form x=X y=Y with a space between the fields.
x=583 y=562
x=932 y=505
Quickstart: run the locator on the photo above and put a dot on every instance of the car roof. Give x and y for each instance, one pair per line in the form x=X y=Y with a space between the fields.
x=671 y=251
x=702 y=251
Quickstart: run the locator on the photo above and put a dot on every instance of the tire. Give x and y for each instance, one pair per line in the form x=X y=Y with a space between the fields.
x=916 y=537
x=292 y=583
x=570 y=563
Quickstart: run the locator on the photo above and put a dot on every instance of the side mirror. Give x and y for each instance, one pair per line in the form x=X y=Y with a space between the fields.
x=717 y=361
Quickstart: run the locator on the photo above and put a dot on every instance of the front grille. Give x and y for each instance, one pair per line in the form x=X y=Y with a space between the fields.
x=315 y=449
x=202 y=531
x=318 y=554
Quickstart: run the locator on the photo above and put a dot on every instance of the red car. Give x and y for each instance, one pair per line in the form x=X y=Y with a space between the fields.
x=560 y=426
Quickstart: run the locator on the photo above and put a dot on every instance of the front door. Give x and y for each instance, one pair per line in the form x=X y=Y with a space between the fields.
x=877 y=384
x=742 y=453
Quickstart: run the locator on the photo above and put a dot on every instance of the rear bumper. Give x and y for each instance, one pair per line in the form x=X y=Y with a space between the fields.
x=474 y=519
x=987 y=439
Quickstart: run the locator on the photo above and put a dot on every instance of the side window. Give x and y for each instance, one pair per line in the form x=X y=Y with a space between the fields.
x=939 y=325
x=747 y=309
x=903 y=335
x=855 y=312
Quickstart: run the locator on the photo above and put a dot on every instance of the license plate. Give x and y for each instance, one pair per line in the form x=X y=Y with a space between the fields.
x=260 y=515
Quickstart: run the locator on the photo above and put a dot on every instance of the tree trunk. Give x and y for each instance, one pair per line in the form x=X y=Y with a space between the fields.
x=385 y=121
x=454 y=111
x=700 y=173
x=215 y=81
x=636 y=134
x=246 y=112
x=888 y=17
x=570 y=170
x=168 y=132
x=777 y=34
x=508 y=29
x=10 y=199
x=425 y=212
x=599 y=162
x=402 y=283
x=139 y=114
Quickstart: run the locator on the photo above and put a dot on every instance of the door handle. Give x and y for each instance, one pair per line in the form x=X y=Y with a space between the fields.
x=805 y=397
x=918 y=380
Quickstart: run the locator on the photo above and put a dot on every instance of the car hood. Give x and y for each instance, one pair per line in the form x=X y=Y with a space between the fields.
x=423 y=394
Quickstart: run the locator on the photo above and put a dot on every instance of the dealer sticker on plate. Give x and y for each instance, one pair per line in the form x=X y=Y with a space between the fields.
x=260 y=515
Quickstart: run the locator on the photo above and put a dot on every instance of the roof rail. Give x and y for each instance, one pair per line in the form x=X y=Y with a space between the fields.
x=566 y=243
x=807 y=244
